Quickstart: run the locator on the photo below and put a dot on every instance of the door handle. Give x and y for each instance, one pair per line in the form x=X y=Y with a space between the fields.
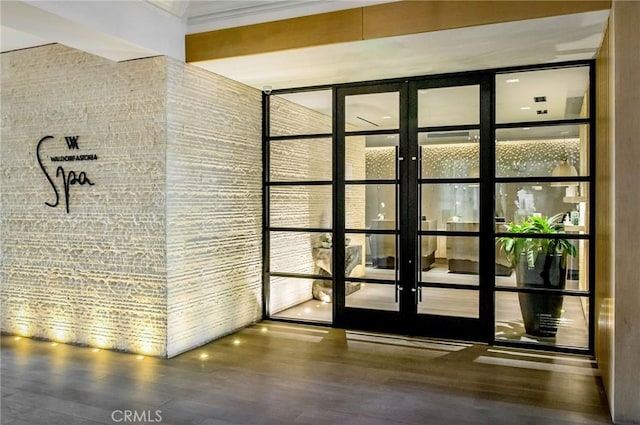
x=398 y=288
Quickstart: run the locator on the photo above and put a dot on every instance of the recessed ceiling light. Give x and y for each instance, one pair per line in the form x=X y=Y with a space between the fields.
x=512 y=80
x=526 y=128
x=524 y=108
x=387 y=117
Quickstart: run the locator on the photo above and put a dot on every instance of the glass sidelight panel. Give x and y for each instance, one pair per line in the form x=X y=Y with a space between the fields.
x=449 y=154
x=297 y=299
x=517 y=202
x=295 y=252
x=570 y=273
x=449 y=302
x=557 y=151
x=449 y=106
x=300 y=160
x=301 y=113
x=542 y=319
x=301 y=206
x=377 y=111
x=542 y=95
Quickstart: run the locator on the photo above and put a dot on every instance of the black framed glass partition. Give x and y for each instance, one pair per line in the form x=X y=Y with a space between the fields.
x=456 y=206
x=543 y=189
x=298 y=195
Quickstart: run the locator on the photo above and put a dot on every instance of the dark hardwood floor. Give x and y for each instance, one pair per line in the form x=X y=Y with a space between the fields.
x=278 y=373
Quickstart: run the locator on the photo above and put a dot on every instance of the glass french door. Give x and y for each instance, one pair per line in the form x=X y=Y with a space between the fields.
x=407 y=222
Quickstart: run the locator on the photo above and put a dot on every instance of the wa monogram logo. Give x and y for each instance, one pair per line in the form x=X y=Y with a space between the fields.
x=63 y=180
x=72 y=142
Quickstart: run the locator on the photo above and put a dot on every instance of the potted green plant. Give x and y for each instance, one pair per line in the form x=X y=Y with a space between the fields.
x=539 y=262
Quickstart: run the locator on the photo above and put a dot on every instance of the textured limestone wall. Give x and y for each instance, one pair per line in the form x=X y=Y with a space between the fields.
x=94 y=275
x=214 y=206
x=161 y=248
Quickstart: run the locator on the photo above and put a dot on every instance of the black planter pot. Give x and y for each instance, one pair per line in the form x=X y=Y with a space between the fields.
x=540 y=312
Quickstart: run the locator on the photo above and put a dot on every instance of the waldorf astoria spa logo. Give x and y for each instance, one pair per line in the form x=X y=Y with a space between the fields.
x=62 y=180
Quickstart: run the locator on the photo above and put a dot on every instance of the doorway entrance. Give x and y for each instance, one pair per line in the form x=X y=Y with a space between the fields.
x=387 y=205
x=411 y=219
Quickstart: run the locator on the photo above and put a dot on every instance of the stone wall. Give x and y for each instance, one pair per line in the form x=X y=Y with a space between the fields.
x=160 y=250
x=94 y=275
x=214 y=206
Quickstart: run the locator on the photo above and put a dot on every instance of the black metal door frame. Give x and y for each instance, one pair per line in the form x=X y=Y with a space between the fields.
x=407 y=320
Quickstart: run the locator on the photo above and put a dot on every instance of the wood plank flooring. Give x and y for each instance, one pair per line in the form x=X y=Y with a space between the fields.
x=279 y=373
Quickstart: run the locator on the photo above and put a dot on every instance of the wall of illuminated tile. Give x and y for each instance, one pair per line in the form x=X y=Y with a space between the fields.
x=156 y=254
x=214 y=206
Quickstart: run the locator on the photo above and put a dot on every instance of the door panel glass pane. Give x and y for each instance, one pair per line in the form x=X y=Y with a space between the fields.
x=450 y=154
x=459 y=256
x=375 y=296
x=378 y=111
x=301 y=206
x=449 y=106
x=539 y=151
x=516 y=202
x=449 y=302
x=370 y=256
x=542 y=318
x=295 y=252
x=301 y=160
x=301 y=113
x=371 y=157
x=551 y=94
x=449 y=203
x=299 y=299
x=370 y=206
x=377 y=258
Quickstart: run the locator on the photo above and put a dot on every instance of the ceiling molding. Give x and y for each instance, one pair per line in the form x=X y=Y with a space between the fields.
x=251 y=10
x=177 y=8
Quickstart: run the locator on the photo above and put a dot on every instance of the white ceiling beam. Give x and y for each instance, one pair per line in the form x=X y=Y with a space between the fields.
x=115 y=30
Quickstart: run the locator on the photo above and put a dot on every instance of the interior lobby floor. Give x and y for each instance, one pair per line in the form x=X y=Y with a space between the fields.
x=279 y=373
x=573 y=329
